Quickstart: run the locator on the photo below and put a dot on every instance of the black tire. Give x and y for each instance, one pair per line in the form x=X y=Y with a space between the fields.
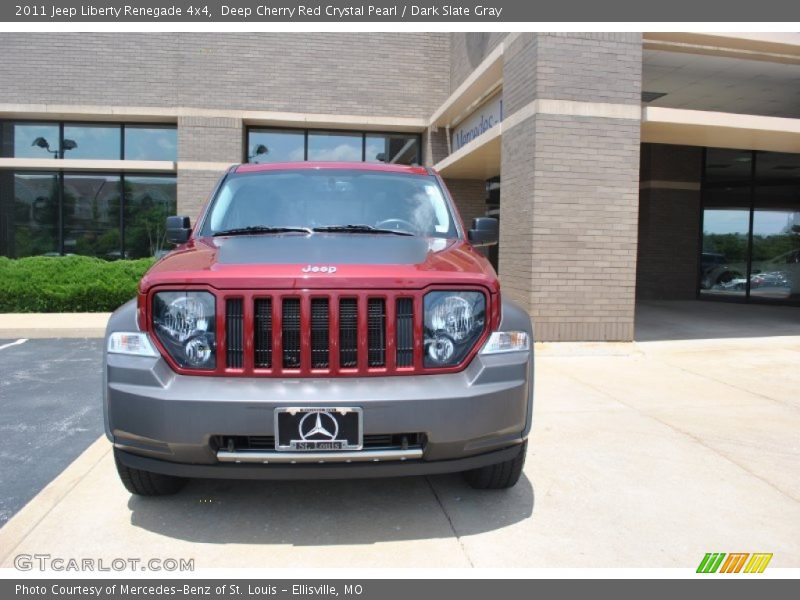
x=499 y=476
x=145 y=483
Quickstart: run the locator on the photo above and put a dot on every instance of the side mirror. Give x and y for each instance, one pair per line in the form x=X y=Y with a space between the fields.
x=178 y=230
x=485 y=231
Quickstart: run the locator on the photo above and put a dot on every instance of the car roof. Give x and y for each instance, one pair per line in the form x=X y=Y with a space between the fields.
x=351 y=166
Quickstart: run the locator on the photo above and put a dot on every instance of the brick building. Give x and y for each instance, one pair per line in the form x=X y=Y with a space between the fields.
x=621 y=165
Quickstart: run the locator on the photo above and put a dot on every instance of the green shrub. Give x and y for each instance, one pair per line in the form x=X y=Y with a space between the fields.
x=68 y=283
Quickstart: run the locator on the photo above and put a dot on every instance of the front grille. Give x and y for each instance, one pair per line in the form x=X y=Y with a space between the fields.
x=303 y=333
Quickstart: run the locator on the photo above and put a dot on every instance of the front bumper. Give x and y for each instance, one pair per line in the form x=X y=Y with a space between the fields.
x=163 y=421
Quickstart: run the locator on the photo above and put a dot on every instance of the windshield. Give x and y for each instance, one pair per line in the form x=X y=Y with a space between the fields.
x=327 y=198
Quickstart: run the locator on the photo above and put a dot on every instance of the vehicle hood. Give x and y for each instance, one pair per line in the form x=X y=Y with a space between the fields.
x=321 y=260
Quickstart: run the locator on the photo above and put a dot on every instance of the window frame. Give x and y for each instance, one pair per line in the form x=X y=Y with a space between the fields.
x=363 y=133
x=61 y=124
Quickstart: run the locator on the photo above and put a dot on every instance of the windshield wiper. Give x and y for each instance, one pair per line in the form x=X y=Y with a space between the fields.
x=360 y=229
x=256 y=229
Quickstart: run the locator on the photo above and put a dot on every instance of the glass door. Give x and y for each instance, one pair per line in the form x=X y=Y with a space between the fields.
x=725 y=250
x=775 y=268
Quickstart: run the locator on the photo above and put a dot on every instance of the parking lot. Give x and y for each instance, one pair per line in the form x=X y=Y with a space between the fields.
x=643 y=455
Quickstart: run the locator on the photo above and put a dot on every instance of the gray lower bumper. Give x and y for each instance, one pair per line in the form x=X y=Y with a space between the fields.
x=152 y=411
x=361 y=470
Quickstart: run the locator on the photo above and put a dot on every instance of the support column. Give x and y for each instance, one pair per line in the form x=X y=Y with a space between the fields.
x=570 y=182
x=669 y=222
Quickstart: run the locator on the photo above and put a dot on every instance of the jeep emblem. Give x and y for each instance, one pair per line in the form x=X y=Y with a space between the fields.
x=319 y=269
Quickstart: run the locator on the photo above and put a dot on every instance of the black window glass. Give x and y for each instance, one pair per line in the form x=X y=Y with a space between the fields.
x=394 y=149
x=151 y=143
x=723 y=164
x=92 y=215
x=28 y=214
x=771 y=166
x=32 y=140
x=275 y=146
x=148 y=203
x=92 y=141
x=334 y=146
x=727 y=196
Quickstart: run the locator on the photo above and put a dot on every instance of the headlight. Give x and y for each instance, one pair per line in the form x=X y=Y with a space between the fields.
x=184 y=323
x=453 y=323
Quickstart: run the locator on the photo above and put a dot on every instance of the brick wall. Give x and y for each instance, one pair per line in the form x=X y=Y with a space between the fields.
x=194 y=188
x=669 y=222
x=469 y=196
x=569 y=197
x=467 y=50
x=379 y=74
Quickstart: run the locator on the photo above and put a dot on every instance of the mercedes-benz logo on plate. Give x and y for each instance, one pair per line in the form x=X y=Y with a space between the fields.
x=318 y=424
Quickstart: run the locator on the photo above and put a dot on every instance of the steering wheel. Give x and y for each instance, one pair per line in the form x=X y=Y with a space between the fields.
x=399 y=224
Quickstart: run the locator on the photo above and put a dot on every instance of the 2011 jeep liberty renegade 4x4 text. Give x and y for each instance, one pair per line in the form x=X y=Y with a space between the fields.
x=321 y=320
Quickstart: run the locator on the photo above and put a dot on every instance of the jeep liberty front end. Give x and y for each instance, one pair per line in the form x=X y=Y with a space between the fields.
x=321 y=320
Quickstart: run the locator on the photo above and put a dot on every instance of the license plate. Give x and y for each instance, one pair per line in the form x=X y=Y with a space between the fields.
x=301 y=429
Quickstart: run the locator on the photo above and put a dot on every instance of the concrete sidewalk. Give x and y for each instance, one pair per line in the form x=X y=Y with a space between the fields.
x=643 y=455
x=52 y=325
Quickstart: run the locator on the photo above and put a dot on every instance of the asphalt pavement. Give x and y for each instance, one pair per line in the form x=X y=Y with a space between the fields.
x=50 y=412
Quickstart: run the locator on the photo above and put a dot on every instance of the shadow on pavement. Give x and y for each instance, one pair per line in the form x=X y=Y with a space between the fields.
x=314 y=513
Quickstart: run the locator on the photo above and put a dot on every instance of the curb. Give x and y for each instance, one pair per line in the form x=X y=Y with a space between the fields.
x=53 y=325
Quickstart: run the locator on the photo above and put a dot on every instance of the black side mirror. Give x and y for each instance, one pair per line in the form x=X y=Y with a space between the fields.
x=485 y=231
x=178 y=230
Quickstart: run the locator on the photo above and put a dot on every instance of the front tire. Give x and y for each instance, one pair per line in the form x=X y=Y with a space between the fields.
x=145 y=483
x=499 y=476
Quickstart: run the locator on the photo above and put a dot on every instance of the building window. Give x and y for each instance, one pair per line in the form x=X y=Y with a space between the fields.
x=275 y=145
x=392 y=148
x=31 y=140
x=751 y=226
x=149 y=142
x=88 y=141
x=293 y=145
x=108 y=214
x=92 y=141
x=335 y=146
x=29 y=214
x=149 y=200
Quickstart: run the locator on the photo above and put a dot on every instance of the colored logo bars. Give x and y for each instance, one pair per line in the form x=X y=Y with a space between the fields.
x=714 y=562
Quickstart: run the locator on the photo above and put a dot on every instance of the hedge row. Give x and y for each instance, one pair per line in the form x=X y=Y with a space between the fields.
x=68 y=283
